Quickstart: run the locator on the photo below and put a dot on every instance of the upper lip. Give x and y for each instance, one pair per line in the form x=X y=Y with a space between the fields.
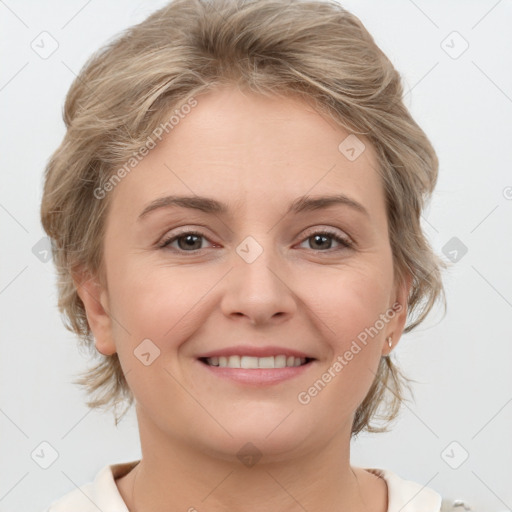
x=248 y=350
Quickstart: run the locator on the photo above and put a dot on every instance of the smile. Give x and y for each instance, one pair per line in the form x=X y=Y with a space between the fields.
x=250 y=362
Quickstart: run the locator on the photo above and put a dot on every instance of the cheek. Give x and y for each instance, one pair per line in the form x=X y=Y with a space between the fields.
x=354 y=320
x=159 y=304
x=163 y=303
x=351 y=301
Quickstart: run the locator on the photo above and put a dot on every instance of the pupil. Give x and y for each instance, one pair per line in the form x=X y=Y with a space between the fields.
x=319 y=237
x=190 y=241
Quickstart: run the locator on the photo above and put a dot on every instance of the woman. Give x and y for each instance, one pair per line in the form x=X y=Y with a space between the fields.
x=235 y=211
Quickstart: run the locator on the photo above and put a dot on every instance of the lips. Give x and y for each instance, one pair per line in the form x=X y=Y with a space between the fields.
x=255 y=358
x=255 y=371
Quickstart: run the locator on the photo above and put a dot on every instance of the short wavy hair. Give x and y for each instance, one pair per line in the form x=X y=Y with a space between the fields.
x=313 y=49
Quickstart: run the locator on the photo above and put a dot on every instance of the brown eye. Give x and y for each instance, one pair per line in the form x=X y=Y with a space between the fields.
x=322 y=241
x=187 y=241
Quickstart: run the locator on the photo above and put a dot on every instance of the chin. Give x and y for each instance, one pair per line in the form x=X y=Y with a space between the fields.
x=266 y=438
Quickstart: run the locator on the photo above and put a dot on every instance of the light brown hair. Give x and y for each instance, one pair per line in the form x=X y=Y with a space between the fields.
x=314 y=49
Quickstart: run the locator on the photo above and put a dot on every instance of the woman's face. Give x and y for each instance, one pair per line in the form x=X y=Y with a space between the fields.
x=259 y=277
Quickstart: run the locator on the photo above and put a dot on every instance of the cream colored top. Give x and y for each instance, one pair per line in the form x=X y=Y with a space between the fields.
x=103 y=494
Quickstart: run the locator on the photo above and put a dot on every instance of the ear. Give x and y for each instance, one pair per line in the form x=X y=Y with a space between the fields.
x=95 y=298
x=397 y=324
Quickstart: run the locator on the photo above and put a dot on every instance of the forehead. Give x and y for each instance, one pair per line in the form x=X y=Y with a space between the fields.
x=244 y=148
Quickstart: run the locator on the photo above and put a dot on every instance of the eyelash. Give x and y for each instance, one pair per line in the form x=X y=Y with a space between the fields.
x=346 y=244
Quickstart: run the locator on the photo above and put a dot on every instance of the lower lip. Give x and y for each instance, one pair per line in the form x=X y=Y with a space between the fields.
x=257 y=377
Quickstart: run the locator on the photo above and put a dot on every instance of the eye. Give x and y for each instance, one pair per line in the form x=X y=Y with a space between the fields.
x=188 y=241
x=321 y=238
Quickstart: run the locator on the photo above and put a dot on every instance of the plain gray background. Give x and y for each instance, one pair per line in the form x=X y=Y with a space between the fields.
x=462 y=99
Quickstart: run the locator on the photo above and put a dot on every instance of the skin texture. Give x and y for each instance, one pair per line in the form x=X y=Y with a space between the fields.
x=256 y=155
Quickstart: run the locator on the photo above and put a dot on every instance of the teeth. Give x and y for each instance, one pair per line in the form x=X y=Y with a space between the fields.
x=234 y=362
x=248 y=362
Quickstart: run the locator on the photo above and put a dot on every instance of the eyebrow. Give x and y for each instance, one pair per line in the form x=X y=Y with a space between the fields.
x=208 y=205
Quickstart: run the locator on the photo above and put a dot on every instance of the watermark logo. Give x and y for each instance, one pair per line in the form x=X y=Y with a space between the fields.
x=42 y=250
x=351 y=147
x=45 y=45
x=454 y=45
x=249 y=249
x=44 y=455
x=146 y=352
x=455 y=455
x=249 y=455
x=454 y=249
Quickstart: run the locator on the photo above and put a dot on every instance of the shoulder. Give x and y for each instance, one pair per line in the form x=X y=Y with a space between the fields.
x=406 y=495
x=100 y=494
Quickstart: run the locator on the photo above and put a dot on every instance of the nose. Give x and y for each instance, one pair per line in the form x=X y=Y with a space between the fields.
x=259 y=291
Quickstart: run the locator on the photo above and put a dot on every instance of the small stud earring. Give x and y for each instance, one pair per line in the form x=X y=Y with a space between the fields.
x=390 y=341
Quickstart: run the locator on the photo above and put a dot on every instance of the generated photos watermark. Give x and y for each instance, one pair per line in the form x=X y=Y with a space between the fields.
x=157 y=134
x=305 y=397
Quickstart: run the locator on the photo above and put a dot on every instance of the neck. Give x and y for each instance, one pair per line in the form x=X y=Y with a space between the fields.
x=174 y=475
